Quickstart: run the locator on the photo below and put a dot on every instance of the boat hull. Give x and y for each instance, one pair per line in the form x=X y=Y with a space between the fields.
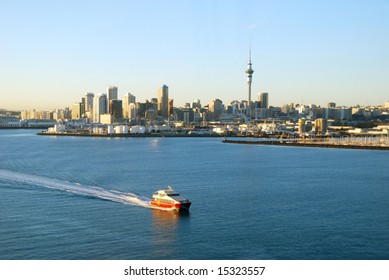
x=171 y=205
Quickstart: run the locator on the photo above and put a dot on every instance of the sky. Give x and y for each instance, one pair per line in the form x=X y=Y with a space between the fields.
x=310 y=52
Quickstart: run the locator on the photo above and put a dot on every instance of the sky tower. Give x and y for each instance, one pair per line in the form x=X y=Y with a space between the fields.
x=249 y=73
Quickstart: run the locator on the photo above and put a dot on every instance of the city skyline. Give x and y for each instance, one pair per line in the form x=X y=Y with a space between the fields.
x=313 y=53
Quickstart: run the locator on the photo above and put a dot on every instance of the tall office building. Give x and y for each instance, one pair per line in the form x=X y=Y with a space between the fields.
x=249 y=73
x=99 y=107
x=132 y=111
x=215 y=108
x=116 y=109
x=76 y=111
x=264 y=99
x=112 y=95
x=128 y=98
x=163 y=101
x=89 y=102
x=83 y=107
x=170 y=106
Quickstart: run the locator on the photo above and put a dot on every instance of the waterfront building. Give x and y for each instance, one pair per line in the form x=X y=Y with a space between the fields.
x=249 y=74
x=112 y=95
x=263 y=98
x=99 y=107
x=9 y=121
x=163 y=101
x=128 y=98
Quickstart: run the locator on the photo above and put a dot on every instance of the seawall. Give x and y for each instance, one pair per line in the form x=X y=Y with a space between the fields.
x=307 y=144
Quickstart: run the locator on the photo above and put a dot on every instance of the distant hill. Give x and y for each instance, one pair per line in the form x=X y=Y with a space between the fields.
x=9 y=113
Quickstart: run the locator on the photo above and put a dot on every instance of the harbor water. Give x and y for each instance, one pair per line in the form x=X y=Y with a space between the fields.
x=61 y=198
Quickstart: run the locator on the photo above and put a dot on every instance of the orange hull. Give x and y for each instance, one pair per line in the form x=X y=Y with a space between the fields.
x=167 y=205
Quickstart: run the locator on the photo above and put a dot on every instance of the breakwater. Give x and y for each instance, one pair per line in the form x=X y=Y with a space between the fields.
x=318 y=144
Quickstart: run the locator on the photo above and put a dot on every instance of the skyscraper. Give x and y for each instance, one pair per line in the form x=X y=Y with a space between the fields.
x=264 y=99
x=163 y=101
x=215 y=108
x=116 y=109
x=76 y=111
x=112 y=95
x=128 y=98
x=99 y=107
x=249 y=73
x=89 y=102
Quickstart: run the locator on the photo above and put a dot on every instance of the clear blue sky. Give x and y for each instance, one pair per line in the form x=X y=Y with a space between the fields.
x=53 y=52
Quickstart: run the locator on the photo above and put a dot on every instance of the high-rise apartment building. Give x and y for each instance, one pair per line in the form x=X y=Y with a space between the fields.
x=128 y=98
x=99 y=107
x=163 y=101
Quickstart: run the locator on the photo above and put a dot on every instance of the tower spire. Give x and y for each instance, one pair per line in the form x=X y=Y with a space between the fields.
x=250 y=53
x=249 y=74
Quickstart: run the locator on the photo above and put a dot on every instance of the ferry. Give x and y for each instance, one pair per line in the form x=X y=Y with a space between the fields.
x=169 y=199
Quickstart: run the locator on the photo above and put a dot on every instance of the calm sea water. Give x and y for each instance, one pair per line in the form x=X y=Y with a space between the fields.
x=249 y=202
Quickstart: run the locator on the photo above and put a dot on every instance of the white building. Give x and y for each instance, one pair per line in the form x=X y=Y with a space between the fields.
x=99 y=107
x=132 y=111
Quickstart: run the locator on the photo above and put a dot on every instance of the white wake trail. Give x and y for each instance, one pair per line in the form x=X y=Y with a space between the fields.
x=75 y=188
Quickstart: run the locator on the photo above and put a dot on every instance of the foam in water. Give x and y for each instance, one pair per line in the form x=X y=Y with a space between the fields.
x=75 y=188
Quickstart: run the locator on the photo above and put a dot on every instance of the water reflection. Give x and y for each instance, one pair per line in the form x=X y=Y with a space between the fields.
x=166 y=231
